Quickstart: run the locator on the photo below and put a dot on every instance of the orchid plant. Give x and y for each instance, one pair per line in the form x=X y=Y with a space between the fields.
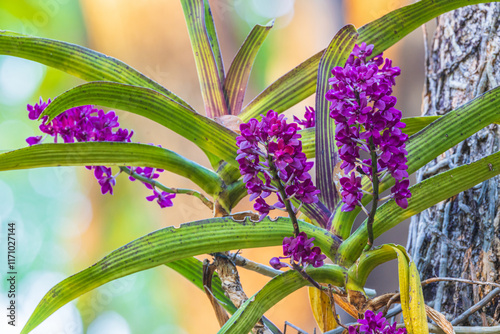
x=355 y=112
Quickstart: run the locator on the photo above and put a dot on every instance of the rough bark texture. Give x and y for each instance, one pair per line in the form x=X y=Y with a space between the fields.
x=231 y=285
x=460 y=237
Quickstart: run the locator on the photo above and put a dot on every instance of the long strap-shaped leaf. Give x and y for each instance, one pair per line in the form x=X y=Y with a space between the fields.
x=441 y=135
x=213 y=39
x=308 y=142
x=236 y=82
x=192 y=269
x=171 y=244
x=201 y=130
x=274 y=291
x=424 y=195
x=384 y=32
x=417 y=313
x=317 y=212
x=110 y=154
x=287 y=91
x=368 y=261
x=79 y=61
x=335 y=54
x=404 y=285
x=416 y=124
x=410 y=290
x=208 y=73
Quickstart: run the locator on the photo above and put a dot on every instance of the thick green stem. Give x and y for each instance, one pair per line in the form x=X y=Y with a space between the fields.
x=234 y=193
x=371 y=217
x=158 y=185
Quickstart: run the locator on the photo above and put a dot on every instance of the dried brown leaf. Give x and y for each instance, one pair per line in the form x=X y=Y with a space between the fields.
x=440 y=320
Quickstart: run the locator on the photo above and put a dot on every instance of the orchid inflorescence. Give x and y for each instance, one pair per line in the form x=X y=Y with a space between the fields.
x=269 y=147
x=366 y=119
x=270 y=151
x=89 y=124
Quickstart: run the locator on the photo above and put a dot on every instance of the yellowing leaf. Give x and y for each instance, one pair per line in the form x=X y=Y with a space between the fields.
x=322 y=309
x=418 y=316
x=403 y=273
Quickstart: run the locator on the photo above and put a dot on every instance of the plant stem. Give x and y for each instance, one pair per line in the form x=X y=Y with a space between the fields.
x=306 y=276
x=158 y=185
x=254 y=266
x=282 y=194
x=371 y=217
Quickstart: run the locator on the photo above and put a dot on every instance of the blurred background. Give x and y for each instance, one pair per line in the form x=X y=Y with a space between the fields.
x=63 y=222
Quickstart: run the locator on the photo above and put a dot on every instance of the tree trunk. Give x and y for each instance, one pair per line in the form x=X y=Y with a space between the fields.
x=460 y=237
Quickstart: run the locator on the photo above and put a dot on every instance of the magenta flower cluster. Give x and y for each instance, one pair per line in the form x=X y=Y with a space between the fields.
x=80 y=124
x=375 y=324
x=89 y=124
x=273 y=146
x=362 y=107
x=309 y=120
x=300 y=250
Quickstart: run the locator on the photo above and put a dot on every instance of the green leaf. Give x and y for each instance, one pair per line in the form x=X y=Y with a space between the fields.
x=192 y=269
x=308 y=142
x=424 y=195
x=172 y=244
x=213 y=39
x=275 y=290
x=285 y=92
x=318 y=213
x=202 y=131
x=392 y=27
x=206 y=64
x=79 y=61
x=384 y=32
x=415 y=124
x=368 y=261
x=336 y=54
x=236 y=82
x=110 y=154
x=214 y=44
x=441 y=135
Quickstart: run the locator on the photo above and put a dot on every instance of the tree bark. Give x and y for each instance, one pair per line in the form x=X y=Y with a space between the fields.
x=460 y=237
